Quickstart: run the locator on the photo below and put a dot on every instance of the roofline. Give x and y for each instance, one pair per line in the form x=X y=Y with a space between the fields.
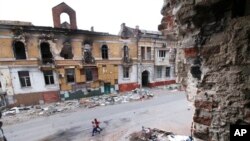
x=53 y=29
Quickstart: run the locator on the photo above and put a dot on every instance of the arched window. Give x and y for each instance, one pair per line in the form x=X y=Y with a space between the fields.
x=19 y=50
x=46 y=55
x=65 y=21
x=125 y=52
x=64 y=17
x=104 y=52
x=66 y=52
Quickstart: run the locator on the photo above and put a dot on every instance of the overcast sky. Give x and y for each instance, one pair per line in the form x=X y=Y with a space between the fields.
x=104 y=15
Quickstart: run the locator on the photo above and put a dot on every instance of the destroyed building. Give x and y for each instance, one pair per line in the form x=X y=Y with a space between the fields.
x=212 y=61
x=46 y=64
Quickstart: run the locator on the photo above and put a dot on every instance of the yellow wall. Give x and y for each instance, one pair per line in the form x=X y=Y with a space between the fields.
x=79 y=78
x=108 y=73
x=62 y=81
x=6 y=50
x=77 y=49
x=33 y=48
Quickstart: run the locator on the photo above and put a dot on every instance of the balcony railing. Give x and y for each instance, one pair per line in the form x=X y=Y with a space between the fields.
x=47 y=61
x=126 y=61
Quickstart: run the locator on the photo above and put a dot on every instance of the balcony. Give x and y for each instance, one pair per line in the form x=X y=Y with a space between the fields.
x=88 y=58
x=47 y=61
x=68 y=62
x=126 y=61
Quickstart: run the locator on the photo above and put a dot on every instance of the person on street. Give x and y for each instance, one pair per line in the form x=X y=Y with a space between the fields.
x=94 y=128
x=97 y=123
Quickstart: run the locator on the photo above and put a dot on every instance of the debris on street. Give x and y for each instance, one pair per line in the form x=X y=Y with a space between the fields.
x=19 y=114
x=148 y=134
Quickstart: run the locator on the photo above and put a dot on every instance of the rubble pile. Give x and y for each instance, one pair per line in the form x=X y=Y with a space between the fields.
x=148 y=134
x=103 y=100
x=23 y=113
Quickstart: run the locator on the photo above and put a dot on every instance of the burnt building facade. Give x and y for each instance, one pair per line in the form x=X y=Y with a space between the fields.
x=47 y=64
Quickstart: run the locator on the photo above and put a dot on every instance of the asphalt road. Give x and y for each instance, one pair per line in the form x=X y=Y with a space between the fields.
x=167 y=111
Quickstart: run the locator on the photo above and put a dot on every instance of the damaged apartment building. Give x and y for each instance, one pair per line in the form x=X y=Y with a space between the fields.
x=48 y=64
x=212 y=61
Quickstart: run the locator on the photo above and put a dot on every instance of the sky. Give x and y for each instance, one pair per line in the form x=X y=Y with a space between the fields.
x=104 y=15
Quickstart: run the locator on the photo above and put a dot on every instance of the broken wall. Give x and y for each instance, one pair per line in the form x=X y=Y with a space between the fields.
x=213 y=62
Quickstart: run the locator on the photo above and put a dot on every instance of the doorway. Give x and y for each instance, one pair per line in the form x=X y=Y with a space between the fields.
x=107 y=87
x=145 y=78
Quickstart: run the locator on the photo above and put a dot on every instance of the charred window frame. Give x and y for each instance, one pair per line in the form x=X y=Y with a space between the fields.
x=47 y=57
x=125 y=72
x=104 y=52
x=24 y=78
x=87 y=52
x=66 y=51
x=48 y=77
x=167 y=71
x=19 y=50
x=70 y=75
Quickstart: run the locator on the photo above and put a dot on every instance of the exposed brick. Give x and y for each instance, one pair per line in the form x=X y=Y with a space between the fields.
x=205 y=104
x=201 y=135
x=50 y=97
x=208 y=51
x=128 y=87
x=161 y=83
x=190 y=52
x=203 y=120
x=64 y=8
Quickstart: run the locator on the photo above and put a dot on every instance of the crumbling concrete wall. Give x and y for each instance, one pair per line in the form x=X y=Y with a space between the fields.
x=5 y=80
x=212 y=61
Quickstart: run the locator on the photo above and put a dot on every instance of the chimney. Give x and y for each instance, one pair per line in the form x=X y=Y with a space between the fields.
x=123 y=25
x=137 y=27
x=92 y=28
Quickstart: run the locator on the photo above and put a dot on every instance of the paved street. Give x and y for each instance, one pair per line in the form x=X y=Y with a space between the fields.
x=167 y=111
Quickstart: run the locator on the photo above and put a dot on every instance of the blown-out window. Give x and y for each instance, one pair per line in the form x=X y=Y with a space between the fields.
x=19 y=50
x=66 y=51
x=46 y=55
